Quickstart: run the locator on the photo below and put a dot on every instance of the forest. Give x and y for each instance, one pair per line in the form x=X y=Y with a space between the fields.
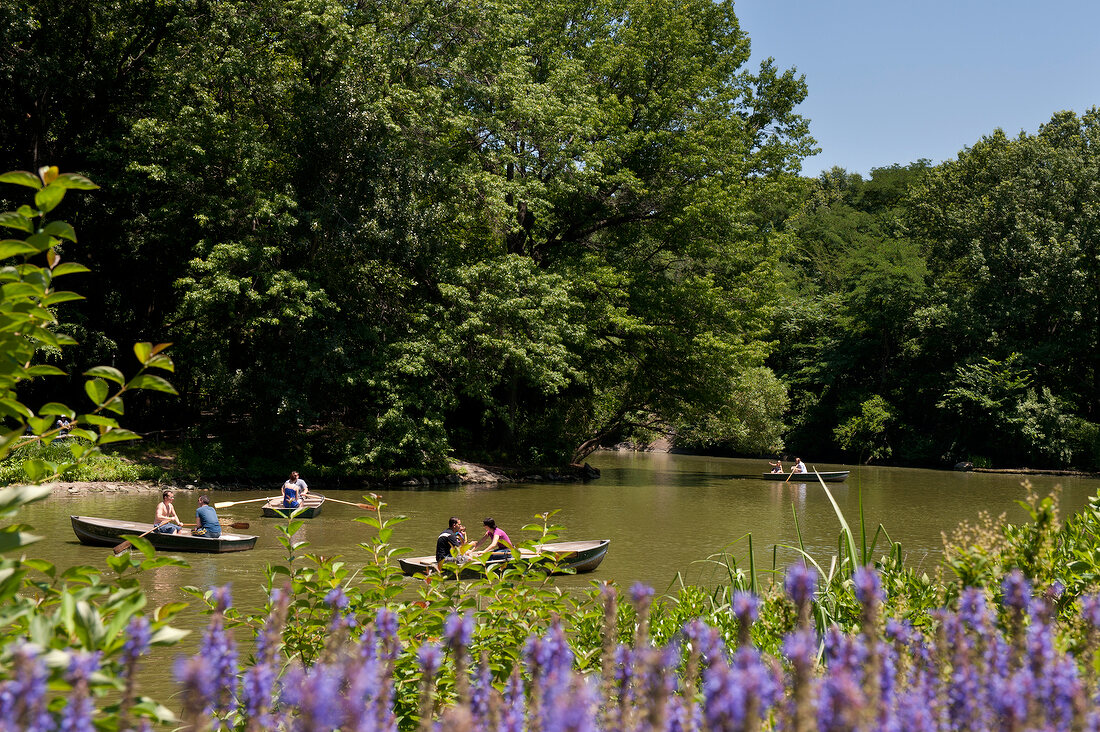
x=383 y=234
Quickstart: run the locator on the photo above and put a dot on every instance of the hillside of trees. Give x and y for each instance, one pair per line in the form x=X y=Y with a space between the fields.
x=381 y=234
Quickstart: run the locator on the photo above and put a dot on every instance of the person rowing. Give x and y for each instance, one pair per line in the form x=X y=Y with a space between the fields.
x=799 y=466
x=207 y=519
x=294 y=490
x=166 y=521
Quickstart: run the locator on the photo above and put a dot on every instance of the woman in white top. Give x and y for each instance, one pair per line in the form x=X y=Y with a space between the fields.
x=167 y=521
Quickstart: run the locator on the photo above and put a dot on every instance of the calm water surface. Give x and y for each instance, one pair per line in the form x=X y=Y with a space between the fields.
x=665 y=514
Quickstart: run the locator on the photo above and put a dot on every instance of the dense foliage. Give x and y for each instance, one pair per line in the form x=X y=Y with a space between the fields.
x=384 y=232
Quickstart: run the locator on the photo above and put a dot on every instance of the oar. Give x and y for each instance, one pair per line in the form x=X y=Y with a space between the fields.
x=119 y=548
x=234 y=525
x=227 y=504
x=364 y=506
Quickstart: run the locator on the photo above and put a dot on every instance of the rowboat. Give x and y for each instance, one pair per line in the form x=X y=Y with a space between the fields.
x=110 y=532
x=834 y=476
x=572 y=557
x=312 y=506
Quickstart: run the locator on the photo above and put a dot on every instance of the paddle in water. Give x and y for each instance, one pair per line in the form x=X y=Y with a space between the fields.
x=364 y=506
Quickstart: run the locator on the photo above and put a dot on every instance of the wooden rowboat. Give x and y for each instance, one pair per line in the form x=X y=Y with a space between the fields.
x=312 y=506
x=572 y=557
x=110 y=532
x=834 y=476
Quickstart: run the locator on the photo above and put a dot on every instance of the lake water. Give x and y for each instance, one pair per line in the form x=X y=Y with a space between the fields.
x=665 y=515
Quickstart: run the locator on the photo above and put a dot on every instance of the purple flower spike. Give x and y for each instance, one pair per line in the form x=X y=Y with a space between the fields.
x=459 y=629
x=640 y=595
x=1090 y=609
x=1017 y=590
x=223 y=598
x=800 y=584
x=868 y=586
x=316 y=707
x=430 y=657
x=138 y=636
x=746 y=606
x=79 y=710
x=336 y=598
x=23 y=698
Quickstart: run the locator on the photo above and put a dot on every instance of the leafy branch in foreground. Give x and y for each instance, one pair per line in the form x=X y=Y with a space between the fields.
x=28 y=335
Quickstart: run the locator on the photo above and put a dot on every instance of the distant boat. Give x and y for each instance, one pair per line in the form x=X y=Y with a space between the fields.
x=312 y=502
x=110 y=532
x=572 y=556
x=834 y=476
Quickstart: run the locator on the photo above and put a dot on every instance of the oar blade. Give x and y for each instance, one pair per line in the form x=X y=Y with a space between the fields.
x=123 y=547
x=225 y=504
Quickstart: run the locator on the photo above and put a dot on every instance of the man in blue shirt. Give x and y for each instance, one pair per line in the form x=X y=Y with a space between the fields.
x=207 y=519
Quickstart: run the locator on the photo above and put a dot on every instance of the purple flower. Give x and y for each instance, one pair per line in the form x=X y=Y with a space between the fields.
x=337 y=599
x=385 y=622
x=1017 y=591
x=868 y=586
x=79 y=709
x=800 y=584
x=23 y=698
x=430 y=657
x=746 y=607
x=513 y=718
x=640 y=595
x=138 y=636
x=317 y=704
x=459 y=629
x=1090 y=609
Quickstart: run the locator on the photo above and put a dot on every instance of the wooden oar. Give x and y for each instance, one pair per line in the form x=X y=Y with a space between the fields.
x=234 y=525
x=119 y=548
x=227 y=504
x=364 y=506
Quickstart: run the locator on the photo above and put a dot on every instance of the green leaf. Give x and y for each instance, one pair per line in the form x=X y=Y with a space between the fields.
x=14 y=497
x=99 y=419
x=74 y=180
x=89 y=625
x=47 y=198
x=167 y=636
x=36 y=469
x=118 y=435
x=57 y=409
x=161 y=361
x=69 y=268
x=143 y=351
x=44 y=370
x=96 y=389
x=12 y=540
x=141 y=544
x=21 y=178
x=14 y=408
x=15 y=248
x=13 y=220
x=107 y=372
x=154 y=383
x=60 y=229
x=63 y=296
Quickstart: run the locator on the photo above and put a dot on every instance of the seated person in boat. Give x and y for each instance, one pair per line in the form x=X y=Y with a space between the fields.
x=499 y=546
x=167 y=522
x=294 y=490
x=450 y=542
x=207 y=521
x=799 y=466
x=777 y=466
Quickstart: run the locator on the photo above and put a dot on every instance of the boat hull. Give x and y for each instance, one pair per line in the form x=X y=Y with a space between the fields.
x=573 y=557
x=110 y=532
x=312 y=507
x=833 y=476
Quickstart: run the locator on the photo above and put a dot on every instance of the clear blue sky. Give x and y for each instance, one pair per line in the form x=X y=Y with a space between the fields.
x=892 y=82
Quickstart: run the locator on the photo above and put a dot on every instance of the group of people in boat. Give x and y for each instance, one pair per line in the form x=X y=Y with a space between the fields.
x=798 y=467
x=167 y=521
x=453 y=543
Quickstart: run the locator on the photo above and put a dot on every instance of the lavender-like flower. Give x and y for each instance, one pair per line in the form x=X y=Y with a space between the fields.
x=800 y=584
x=868 y=586
x=1017 y=591
x=458 y=630
x=336 y=598
x=746 y=606
x=79 y=709
x=23 y=697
